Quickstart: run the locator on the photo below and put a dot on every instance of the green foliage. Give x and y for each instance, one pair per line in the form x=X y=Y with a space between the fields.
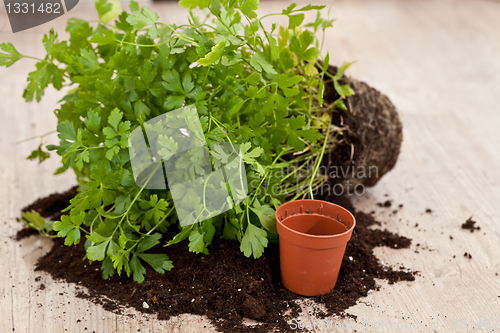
x=33 y=220
x=254 y=241
x=260 y=89
x=39 y=154
x=10 y=57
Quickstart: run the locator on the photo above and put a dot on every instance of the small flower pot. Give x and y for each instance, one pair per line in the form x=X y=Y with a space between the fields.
x=313 y=235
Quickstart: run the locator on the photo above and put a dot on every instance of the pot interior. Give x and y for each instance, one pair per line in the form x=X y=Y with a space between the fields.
x=313 y=224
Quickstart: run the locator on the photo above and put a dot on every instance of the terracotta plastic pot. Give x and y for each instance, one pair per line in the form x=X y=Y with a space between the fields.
x=313 y=235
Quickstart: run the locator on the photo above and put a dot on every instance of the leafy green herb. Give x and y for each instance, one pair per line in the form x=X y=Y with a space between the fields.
x=262 y=90
x=33 y=220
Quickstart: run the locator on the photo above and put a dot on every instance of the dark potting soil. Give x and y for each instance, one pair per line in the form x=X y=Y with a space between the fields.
x=470 y=225
x=371 y=134
x=50 y=207
x=25 y=233
x=225 y=285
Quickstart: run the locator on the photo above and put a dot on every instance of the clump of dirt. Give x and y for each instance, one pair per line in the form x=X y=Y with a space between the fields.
x=25 y=233
x=386 y=204
x=50 y=207
x=470 y=225
x=369 y=144
x=226 y=286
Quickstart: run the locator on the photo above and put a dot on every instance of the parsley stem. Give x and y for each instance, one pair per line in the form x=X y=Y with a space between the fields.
x=145 y=45
x=266 y=175
x=34 y=58
x=229 y=30
x=309 y=86
x=320 y=158
x=36 y=137
x=205 y=194
x=295 y=171
x=150 y=231
x=220 y=20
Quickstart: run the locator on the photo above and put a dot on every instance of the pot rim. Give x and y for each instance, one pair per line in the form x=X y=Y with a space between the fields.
x=347 y=232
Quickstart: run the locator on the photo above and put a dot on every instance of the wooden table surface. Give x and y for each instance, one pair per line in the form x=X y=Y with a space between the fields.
x=438 y=61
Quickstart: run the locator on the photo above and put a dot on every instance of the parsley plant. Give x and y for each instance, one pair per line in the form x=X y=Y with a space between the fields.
x=261 y=89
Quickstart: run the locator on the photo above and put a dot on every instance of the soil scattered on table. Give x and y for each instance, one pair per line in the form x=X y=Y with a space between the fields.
x=25 y=233
x=386 y=204
x=50 y=206
x=470 y=225
x=225 y=285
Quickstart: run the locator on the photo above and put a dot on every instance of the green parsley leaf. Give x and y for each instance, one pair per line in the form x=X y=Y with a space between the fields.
x=102 y=7
x=298 y=135
x=40 y=79
x=137 y=269
x=141 y=19
x=192 y=4
x=115 y=117
x=248 y=8
x=107 y=268
x=39 y=154
x=114 y=11
x=106 y=38
x=260 y=64
x=172 y=81
x=10 y=57
x=295 y=20
x=93 y=121
x=214 y=55
x=263 y=212
x=310 y=7
x=169 y=146
x=66 y=131
x=196 y=242
x=254 y=241
x=341 y=70
x=289 y=9
x=89 y=62
x=148 y=242
x=159 y=262
x=182 y=235
x=34 y=220
x=67 y=229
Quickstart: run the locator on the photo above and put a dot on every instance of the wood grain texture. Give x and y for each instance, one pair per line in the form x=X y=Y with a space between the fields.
x=438 y=61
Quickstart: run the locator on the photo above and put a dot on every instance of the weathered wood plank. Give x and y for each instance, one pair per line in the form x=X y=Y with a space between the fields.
x=437 y=61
